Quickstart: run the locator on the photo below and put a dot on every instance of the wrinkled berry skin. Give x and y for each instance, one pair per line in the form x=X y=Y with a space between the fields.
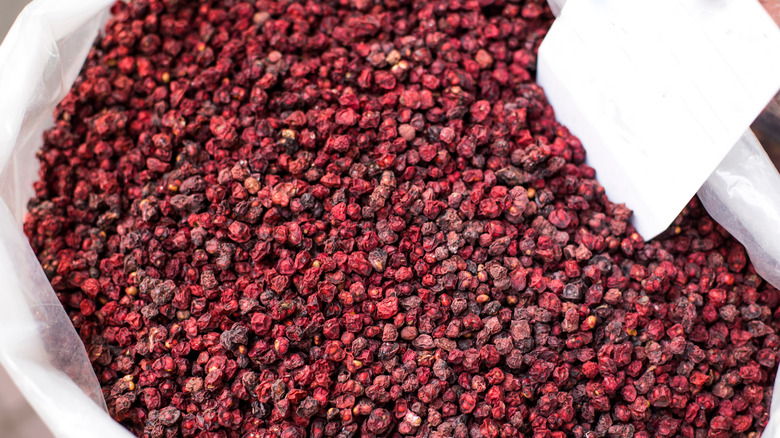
x=332 y=219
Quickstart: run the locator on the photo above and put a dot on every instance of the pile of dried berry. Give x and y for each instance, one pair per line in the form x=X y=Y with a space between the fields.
x=360 y=218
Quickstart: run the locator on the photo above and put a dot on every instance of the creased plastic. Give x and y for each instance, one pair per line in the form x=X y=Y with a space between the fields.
x=556 y=6
x=658 y=79
x=743 y=195
x=39 y=61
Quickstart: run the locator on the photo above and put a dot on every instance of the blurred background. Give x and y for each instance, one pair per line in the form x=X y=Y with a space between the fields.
x=9 y=9
x=18 y=420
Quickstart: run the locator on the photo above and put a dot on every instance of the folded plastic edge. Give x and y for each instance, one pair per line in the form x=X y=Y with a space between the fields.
x=39 y=61
x=743 y=196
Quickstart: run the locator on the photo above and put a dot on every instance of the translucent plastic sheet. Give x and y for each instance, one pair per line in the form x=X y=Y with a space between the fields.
x=743 y=192
x=743 y=195
x=39 y=61
x=663 y=90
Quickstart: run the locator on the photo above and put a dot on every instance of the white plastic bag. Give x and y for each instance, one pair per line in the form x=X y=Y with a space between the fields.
x=39 y=61
x=664 y=90
x=743 y=195
x=742 y=190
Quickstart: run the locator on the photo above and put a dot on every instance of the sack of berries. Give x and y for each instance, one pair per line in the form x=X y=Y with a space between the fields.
x=320 y=218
